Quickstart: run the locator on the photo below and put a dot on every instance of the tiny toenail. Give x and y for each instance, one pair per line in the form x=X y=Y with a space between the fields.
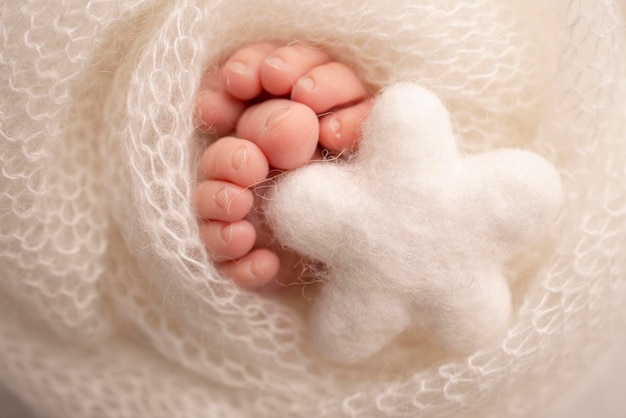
x=307 y=83
x=226 y=233
x=237 y=67
x=276 y=116
x=221 y=198
x=255 y=269
x=239 y=158
x=275 y=62
x=335 y=126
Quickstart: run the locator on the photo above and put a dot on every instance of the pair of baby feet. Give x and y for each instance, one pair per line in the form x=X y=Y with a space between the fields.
x=274 y=108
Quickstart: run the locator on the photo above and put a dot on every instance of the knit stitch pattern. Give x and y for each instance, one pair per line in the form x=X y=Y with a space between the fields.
x=109 y=306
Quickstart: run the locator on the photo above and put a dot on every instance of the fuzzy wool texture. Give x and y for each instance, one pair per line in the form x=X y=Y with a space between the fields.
x=414 y=235
x=109 y=305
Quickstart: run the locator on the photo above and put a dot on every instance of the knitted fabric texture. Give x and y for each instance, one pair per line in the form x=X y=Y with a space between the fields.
x=109 y=305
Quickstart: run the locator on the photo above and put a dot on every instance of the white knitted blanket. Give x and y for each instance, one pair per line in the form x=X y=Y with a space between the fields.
x=109 y=306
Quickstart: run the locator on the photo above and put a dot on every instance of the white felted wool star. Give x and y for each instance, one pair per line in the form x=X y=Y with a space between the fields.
x=413 y=233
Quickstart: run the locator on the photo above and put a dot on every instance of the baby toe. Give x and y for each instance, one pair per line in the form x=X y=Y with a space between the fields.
x=234 y=160
x=254 y=270
x=241 y=72
x=281 y=69
x=223 y=201
x=328 y=86
x=341 y=129
x=227 y=241
x=216 y=111
x=286 y=131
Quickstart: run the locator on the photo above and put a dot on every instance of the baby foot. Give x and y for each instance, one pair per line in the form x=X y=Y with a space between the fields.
x=247 y=98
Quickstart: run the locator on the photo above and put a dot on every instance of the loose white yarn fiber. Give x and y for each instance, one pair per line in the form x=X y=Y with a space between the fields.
x=109 y=306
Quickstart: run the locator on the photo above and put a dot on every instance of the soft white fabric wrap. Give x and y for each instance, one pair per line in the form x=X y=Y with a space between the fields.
x=108 y=304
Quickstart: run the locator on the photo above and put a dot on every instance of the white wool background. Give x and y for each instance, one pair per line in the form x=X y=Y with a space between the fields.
x=108 y=304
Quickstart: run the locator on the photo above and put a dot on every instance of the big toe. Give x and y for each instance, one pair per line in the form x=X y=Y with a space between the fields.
x=286 y=131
